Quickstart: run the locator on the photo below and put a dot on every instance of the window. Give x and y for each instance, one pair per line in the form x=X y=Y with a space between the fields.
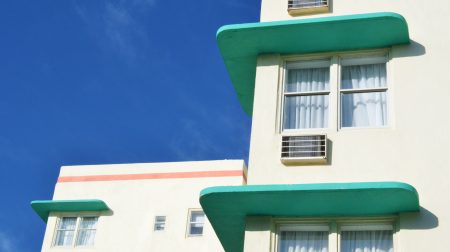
x=160 y=223
x=306 y=95
x=303 y=238
x=315 y=96
x=75 y=231
x=363 y=93
x=319 y=238
x=196 y=223
x=367 y=238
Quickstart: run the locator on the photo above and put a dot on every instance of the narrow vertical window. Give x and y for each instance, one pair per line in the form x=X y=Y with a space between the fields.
x=196 y=223
x=355 y=239
x=86 y=231
x=306 y=95
x=364 y=95
x=65 y=231
x=303 y=238
x=160 y=223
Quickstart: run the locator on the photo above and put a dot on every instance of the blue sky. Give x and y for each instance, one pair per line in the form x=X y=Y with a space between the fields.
x=91 y=82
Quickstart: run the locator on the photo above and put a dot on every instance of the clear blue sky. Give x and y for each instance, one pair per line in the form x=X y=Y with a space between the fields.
x=92 y=82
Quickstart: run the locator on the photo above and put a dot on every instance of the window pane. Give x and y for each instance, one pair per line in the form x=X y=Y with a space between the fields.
x=86 y=231
x=308 y=241
x=88 y=222
x=304 y=80
x=160 y=223
x=377 y=241
x=304 y=112
x=68 y=223
x=86 y=237
x=64 y=238
x=364 y=109
x=364 y=76
x=196 y=229
x=197 y=216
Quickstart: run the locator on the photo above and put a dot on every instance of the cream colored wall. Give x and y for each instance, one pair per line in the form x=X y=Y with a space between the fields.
x=413 y=149
x=135 y=203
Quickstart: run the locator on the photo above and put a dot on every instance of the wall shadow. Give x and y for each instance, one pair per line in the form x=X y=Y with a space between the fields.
x=411 y=50
x=421 y=220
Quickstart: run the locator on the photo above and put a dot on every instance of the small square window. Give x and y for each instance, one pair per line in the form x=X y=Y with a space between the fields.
x=196 y=223
x=160 y=223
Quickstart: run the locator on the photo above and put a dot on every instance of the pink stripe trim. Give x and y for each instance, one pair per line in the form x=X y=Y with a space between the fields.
x=171 y=175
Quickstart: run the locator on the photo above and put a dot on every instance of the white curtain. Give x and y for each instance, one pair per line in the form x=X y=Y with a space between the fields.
x=367 y=241
x=364 y=109
x=306 y=111
x=66 y=231
x=303 y=241
x=86 y=231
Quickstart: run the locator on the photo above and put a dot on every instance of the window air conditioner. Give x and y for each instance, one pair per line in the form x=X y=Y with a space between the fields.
x=304 y=149
x=307 y=6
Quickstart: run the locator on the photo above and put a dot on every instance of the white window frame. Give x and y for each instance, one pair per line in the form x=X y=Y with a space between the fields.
x=158 y=222
x=78 y=217
x=334 y=228
x=358 y=61
x=189 y=222
x=334 y=110
x=305 y=64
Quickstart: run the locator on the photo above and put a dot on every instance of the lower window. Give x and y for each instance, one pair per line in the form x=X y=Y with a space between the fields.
x=352 y=238
x=75 y=231
x=357 y=238
x=303 y=238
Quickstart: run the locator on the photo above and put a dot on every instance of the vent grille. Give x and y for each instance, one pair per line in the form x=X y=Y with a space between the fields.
x=304 y=147
x=299 y=4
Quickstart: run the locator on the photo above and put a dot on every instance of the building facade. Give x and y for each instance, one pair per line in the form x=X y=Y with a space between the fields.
x=134 y=207
x=350 y=124
x=349 y=129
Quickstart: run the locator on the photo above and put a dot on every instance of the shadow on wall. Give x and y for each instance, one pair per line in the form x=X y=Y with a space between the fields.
x=411 y=50
x=421 y=220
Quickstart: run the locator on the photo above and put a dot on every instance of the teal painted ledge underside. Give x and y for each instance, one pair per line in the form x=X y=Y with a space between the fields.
x=240 y=44
x=44 y=207
x=227 y=206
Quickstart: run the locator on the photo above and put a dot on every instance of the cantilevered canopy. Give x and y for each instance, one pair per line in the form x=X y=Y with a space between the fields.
x=240 y=44
x=227 y=206
x=44 y=207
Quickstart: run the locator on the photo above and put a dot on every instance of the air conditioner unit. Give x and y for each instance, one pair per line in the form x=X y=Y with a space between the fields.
x=304 y=149
x=307 y=6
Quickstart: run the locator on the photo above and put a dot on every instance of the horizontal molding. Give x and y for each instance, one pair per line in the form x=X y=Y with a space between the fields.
x=144 y=176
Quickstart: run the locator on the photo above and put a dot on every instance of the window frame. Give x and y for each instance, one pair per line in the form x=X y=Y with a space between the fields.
x=334 y=109
x=305 y=64
x=335 y=226
x=156 y=222
x=78 y=217
x=189 y=222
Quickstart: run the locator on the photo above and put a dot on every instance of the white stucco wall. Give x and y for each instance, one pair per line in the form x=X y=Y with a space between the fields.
x=413 y=149
x=135 y=203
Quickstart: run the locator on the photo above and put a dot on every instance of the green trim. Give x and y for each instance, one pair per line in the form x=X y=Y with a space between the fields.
x=44 y=207
x=240 y=44
x=227 y=206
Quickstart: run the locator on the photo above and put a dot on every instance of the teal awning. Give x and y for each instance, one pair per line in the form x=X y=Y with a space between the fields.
x=44 y=207
x=227 y=206
x=240 y=44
